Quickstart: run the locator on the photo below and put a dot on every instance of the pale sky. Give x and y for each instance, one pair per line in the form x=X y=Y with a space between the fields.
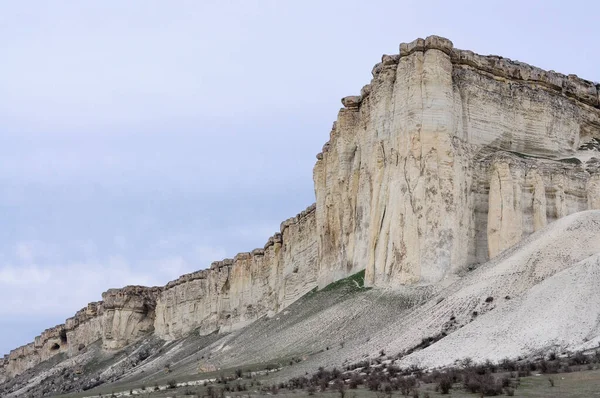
x=141 y=140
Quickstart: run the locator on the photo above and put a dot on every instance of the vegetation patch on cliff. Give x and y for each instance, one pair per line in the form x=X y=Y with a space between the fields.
x=353 y=282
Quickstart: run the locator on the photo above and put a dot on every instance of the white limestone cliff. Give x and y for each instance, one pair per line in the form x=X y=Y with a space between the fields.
x=445 y=160
x=233 y=293
x=448 y=158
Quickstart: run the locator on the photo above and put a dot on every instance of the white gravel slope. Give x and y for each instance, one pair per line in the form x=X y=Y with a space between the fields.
x=553 y=281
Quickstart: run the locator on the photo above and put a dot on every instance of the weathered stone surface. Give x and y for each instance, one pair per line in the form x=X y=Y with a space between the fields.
x=390 y=59
x=236 y=292
x=412 y=186
x=128 y=314
x=125 y=315
x=352 y=102
x=85 y=327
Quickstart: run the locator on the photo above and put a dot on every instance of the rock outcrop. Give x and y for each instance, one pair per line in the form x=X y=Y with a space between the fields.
x=85 y=327
x=235 y=292
x=445 y=159
x=128 y=314
x=125 y=315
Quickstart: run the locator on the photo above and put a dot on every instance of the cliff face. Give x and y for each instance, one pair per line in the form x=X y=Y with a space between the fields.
x=446 y=159
x=125 y=315
x=85 y=327
x=443 y=161
x=233 y=293
x=128 y=315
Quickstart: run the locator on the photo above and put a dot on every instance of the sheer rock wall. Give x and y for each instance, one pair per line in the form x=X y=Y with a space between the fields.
x=235 y=292
x=446 y=159
x=125 y=315
x=128 y=315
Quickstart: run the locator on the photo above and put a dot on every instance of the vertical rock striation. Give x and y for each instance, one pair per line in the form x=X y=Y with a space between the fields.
x=128 y=315
x=448 y=158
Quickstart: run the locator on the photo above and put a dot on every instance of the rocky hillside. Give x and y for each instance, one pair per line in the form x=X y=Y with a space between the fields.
x=432 y=182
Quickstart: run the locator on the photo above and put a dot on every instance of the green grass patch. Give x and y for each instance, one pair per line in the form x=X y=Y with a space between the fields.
x=355 y=282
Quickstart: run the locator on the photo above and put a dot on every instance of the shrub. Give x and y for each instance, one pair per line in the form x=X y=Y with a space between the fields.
x=393 y=370
x=298 y=382
x=524 y=372
x=508 y=364
x=323 y=383
x=484 y=384
x=335 y=373
x=549 y=366
x=241 y=387
x=466 y=363
x=578 y=359
x=210 y=391
x=373 y=382
x=406 y=385
x=388 y=390
x=355 y=381
x=340 y=387
x=143 y=354
x=172 y=384
x=415 y=370
x=444 y=385
x=311 y=390
x=481 y=369
x=491 y=366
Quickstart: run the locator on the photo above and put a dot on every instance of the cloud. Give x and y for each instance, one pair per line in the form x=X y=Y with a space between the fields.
x=63 y=289
x=27 y=252
x=52 y=290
